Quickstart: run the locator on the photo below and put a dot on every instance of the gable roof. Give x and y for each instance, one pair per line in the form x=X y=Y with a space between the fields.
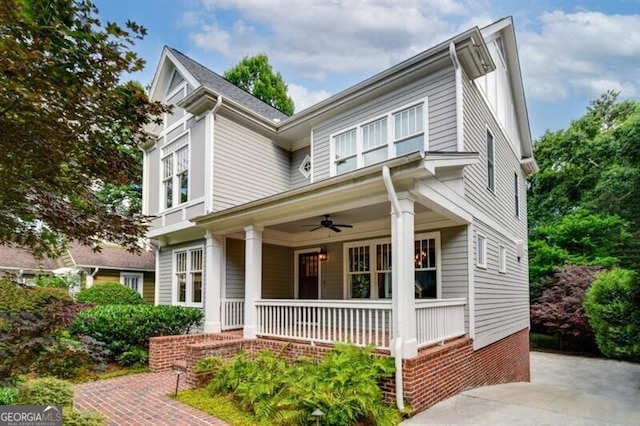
x=111 y=257
x=220 y=85
x=15 y=258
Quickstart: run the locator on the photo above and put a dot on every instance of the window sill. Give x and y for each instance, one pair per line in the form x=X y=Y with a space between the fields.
x=189 y=305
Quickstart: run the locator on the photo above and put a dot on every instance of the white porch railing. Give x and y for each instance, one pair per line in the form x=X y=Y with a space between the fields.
x=439 y=320
x=355 y=321
x=232 y=314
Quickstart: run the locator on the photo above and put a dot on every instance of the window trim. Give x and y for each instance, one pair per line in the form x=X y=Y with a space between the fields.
x=502 y=259
x=491 y=162
x=390 y=140
x=372 y=243
x=481 y=262
x=516 y=190
x=138 y=275
x=189 y=287
x=302 y=170
x=175 y=176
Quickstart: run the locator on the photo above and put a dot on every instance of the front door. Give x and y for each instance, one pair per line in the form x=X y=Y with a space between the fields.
x=308 y=275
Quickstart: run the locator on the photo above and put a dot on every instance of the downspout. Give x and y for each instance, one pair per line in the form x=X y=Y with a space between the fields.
x=209 y=155
x=395 y=204
x=458 y=76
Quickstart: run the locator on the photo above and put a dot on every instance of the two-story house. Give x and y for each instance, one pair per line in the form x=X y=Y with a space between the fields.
x=392 y=213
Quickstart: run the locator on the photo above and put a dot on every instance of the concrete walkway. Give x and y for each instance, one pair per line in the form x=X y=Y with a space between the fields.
x=141 y=400
x=564 y=390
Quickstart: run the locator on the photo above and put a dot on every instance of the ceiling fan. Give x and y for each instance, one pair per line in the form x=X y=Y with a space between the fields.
x=328 y=223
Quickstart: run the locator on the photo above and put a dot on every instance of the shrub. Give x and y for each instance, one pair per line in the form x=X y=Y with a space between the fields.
x=344 y=386
x=135 y=357
x=68 y=357
x=45 y=391
x=128 y=326
x=15 y=298
x=44 y=280
x=612 y=305
x=8 y=395
x=111 y=293
x=73 y=417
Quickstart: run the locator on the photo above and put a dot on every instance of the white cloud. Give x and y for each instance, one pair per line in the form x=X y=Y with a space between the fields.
x=583 y=53
x=303 y=98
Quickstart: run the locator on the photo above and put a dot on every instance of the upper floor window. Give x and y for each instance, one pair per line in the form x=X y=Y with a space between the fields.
x=491 y=173
x=397 y=133
x=481 y=251
x=188 y=267
x=502 y=259
x=175 y=172
x=516 y=193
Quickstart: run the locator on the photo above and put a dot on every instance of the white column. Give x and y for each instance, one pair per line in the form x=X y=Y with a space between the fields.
x=214 y=265
x=252 y=279
x=404 y=267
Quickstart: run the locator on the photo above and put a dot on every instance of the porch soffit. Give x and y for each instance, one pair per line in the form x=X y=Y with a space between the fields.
x=359 y=189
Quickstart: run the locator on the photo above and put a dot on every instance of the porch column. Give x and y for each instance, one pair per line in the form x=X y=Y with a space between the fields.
x=404 y=275
x=252 y=279
x=214 y=265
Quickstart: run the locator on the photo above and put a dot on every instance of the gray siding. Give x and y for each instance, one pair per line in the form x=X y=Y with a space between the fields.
x=440 y=90
x=177 y=112
x=197 y=160
x=247 y=165
x=454 y=262
x=277 y=272
x=297 y=178
x=331 y=275
x=235 y=269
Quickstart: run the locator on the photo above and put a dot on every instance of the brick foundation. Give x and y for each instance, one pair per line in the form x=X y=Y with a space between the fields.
x=437 y=373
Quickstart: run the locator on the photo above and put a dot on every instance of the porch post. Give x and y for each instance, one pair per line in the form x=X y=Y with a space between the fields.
x=252 y=279
x=214 y=265
x=405 y=275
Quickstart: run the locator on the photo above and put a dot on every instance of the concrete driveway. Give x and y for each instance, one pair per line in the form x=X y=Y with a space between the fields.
x=564 y=390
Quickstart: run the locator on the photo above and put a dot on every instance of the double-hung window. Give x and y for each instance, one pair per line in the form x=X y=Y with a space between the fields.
x=175 y=172
x=368 y=268
x=398 y=132
x=188 y=266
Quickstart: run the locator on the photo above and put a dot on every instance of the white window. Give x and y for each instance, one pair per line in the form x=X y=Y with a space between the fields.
x=491 y=173
x=175 y=172
x=368 y=268
x=188 y=268
x=132 y=280
x=481 y=251
x=305 y=167
x=502 y=260
x=398 y=132
x=516 y=193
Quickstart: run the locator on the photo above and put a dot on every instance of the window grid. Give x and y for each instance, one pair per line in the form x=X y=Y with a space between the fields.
x=359 y=274
x=189 y=270
x=408 y=122
x=175 y=173
x=383 y=268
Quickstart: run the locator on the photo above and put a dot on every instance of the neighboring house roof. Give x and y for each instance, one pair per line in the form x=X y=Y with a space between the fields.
x=222 y=86
x=111 y=257
x=14 y=258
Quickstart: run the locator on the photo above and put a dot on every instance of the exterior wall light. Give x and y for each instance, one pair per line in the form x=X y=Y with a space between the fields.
x=322 y=256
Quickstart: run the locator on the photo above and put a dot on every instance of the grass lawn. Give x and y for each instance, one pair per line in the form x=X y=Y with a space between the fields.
x=220 y=406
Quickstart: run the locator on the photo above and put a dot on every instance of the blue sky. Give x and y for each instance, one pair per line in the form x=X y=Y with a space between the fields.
x=570 y=51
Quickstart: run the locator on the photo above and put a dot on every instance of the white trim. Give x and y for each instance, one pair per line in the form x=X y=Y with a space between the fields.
x=156 y=300
x=311 y=143
x=502 y=259
x=162 y=209
x=391 y=142
x=174 y=283
x=493 y=160
x=296 y=271
x=302 y=170
x=137 y=275
x=481 y=263
x=517 y=195
x=471 y=282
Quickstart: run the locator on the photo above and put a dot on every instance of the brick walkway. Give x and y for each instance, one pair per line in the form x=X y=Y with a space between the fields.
x=140 y=399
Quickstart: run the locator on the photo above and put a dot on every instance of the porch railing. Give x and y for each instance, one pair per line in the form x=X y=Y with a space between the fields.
x=358 y=322
x=439 y=320
x=232 y=314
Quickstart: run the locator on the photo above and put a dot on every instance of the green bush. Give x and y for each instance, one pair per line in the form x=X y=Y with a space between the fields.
x=126 y=326
x=135 y=357
x=8 y=395
x=612 y=305
x=110 y=294
x=73 y=417
x=16 y=299
x=44 y=280
x=45 y=391
x=344 y=386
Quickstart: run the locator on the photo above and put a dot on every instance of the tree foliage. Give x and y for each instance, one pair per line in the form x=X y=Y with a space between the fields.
x=612 y=305
x=559 y=311
x=255 y=75
x=68 y=124
x=583 y=203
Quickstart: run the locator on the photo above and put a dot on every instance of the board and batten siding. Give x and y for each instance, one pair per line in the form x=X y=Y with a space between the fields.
x=501 y=300
x=297 y=157
x=439 y=88
x=247 y=166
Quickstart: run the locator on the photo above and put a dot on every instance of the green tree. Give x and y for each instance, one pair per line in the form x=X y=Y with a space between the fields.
x=255 y=75
x=612 y=305
x=68 y=123
x=583 y=202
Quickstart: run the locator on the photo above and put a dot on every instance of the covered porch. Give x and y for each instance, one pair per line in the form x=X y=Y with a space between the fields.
x=397 y=277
